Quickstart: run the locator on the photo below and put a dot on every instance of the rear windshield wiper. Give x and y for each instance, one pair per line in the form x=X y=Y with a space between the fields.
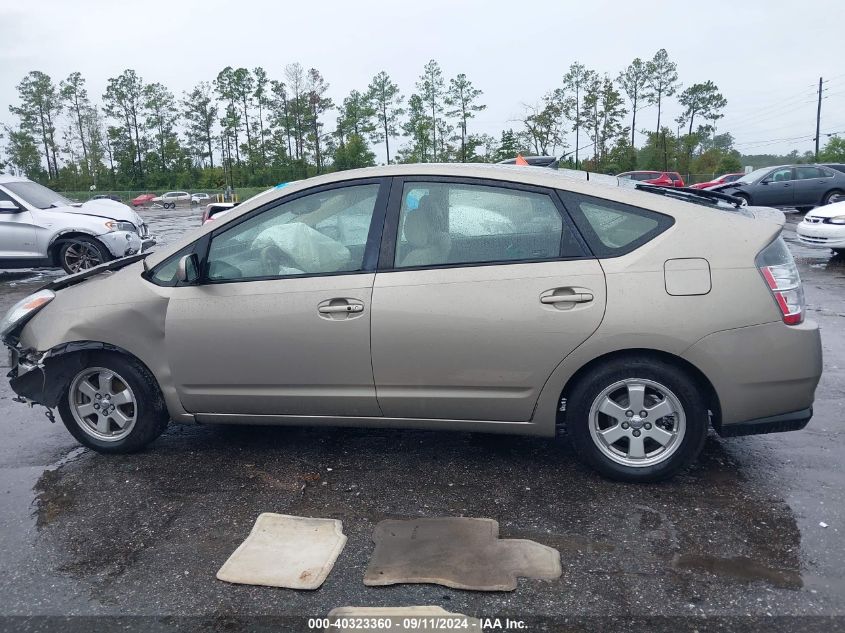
x=697 y=196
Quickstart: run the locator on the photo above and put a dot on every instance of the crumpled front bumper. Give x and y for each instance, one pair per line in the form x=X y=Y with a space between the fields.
x=43 y=377
x=39 y=380
x=125 y=243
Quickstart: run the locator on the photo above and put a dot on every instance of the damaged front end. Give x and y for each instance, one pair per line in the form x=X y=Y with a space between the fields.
x=32 y=372
x=43 y=377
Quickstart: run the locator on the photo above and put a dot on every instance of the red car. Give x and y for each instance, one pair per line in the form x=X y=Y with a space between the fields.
x=660 y=178
x=721 y=180
x=143 y=199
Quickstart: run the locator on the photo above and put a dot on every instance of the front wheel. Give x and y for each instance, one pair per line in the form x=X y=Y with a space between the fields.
x=113 y=405
x=637 y=419
x=81 y=253
x=743 y=196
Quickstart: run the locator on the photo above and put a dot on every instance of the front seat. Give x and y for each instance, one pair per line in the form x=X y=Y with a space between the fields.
x=429 y=244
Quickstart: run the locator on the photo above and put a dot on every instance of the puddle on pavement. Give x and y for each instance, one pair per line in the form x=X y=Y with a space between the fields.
x=739 y=568
x=51 y=501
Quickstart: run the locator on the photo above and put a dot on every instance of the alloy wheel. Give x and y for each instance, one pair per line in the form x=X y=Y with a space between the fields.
x=103 y=404
x=82 y=256
x=637 y=422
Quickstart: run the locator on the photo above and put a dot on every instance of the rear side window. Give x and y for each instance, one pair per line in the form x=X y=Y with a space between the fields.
x=443 y=224
x=612 y=229
x=804 y=173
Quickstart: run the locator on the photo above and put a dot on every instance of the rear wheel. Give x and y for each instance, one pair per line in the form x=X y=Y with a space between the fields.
x=81 y=253
x=113 y=405
x=637 y=419
x=833 y=196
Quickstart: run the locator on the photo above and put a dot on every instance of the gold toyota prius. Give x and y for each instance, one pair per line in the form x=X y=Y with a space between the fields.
x=451 y=297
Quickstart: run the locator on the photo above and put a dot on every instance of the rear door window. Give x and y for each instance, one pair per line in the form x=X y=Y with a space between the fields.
x=611 y=228
x=805 y=173
x=443 y=224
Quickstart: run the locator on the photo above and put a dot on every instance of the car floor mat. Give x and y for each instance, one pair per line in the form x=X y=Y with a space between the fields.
x=462 y=553
x=286 y=551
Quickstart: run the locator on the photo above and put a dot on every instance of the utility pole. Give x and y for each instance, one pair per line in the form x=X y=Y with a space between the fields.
x=818 y=119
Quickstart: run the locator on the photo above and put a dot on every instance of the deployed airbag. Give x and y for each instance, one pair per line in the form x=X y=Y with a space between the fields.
x=307 y=248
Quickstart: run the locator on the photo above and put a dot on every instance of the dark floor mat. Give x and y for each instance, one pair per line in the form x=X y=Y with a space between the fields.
x=463 y=553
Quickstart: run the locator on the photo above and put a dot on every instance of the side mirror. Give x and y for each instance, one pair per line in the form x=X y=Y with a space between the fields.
x=7 y=206
x=765 y=182
x=188 y=270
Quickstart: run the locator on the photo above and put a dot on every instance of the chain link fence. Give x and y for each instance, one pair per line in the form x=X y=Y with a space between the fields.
x=126 y=197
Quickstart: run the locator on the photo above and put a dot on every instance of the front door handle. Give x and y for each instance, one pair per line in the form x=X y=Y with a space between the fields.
x=340 y=309
x=580 y=297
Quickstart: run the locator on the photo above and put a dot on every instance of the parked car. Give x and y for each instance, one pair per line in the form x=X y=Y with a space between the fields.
x=143 y=200
x=799 y=186
x=633 y=320
x=721 y=180
x=534 y=161
x=661 y=178
x=171 y=198
x=40 y=228
x=824 y=227
x=106 y=196
x=200 y=198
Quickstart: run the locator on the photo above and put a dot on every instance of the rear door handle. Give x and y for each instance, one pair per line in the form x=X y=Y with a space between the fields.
x=581 y=297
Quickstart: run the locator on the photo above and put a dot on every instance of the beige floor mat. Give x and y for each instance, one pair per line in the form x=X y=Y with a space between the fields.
x=399 y=619
x=463 y=553
x=286 y=551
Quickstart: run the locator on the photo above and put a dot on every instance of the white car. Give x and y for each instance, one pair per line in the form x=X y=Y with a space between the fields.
x=200 y=198
x=824 y=227
x=40 y=228
x=168 y=200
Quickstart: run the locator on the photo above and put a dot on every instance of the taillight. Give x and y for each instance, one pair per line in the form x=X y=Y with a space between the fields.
x=781 y=274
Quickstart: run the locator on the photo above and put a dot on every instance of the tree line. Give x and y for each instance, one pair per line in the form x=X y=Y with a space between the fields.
x=244 y=128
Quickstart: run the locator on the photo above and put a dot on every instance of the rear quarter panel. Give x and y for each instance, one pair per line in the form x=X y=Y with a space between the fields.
x=640 y=314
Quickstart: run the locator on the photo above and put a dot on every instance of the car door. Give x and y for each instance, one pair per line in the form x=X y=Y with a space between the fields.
x=811 y=183
x=279 y=322
x=777 y=189
x=483 y=288
x=18 y=235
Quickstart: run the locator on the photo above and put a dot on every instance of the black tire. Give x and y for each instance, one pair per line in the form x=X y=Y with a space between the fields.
x=742 y=196
x=71 y=249
x=830 y=196
x=151 y=415
x=804 y=209
x=596 y=380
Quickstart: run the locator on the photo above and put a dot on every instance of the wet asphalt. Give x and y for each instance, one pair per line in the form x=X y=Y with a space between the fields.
x=738 y=538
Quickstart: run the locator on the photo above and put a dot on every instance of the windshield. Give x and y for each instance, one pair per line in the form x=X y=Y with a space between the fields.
x=754 y=175
x=37 y=195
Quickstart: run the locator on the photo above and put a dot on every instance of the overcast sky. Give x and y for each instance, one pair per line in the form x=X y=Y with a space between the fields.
x=765 y=56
